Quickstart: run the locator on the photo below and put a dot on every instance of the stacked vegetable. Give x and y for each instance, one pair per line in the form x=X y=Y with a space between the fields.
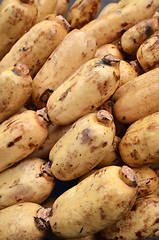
x=79 y=101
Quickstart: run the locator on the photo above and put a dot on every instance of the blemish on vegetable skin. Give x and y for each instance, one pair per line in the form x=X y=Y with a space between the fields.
x=102 y=214
x=93 y=148
x=150 y=4
x=124 y=24
x=134 y=154
x=148 y=30
x=63 y=96
x=102 y=88
x=10 y=144
x=101 y=188
x=32 y=145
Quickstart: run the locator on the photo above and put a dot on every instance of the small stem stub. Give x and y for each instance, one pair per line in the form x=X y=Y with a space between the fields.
x=128 y=176
x=46 y=171
x=43 y=218
x=104 y=117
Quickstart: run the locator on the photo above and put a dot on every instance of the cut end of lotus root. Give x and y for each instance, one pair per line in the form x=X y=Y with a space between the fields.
x=111 y=60
x=43 y=218
x=46 y=171
x=104 y=117
x=128 y=176
x=43 y=116
x=21 y=69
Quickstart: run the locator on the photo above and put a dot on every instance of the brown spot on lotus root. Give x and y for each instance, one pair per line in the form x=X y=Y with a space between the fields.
x=9 y=125
x=14 y=125
x=154 y=45
x=27 y=1
x=14 y=141
x=85 y=135
x=32 y=145
x=93 y=148
x=134 y=40
x=134 y=208
x=92 y=107
x=102 y=88
x=115 y=76
x=100 y=172
x=148 y=30
x=63 y=96
x=156 y=221
x=104 y=144
x=18 y=199
x=102 y=214
x=100 y=188
x=96 y=173
x=152 y=126
x=84 y=54
x=149 y=5
x=134 y=154
x=138 y=234
x=124 y=24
